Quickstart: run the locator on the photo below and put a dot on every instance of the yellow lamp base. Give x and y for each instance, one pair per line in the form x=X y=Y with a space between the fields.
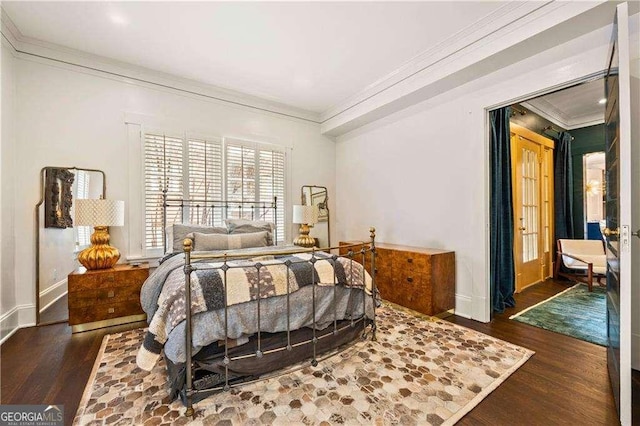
x=100 y=255
x=304 y=240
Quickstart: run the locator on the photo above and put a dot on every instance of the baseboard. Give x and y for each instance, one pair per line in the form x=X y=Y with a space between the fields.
x=463 y=306
x=49 y=296
x=635 y=351
x=9 y=324
x=18 y=317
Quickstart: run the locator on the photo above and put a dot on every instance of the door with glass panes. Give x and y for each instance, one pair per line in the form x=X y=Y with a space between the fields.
x=532 y=182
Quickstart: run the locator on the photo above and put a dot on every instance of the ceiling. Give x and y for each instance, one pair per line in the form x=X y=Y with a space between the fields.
x=310 y=55
x=572 y=108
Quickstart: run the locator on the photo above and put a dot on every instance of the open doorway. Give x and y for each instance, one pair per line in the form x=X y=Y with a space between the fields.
x=558 y=184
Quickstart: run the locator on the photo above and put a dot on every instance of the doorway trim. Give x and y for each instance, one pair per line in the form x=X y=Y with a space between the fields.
x=487 y=151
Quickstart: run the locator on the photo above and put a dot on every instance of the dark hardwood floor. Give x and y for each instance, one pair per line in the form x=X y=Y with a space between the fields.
x=565 y=382
x=58 y=311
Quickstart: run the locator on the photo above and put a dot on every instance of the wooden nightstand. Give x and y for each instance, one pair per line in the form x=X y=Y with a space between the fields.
x=106 y=297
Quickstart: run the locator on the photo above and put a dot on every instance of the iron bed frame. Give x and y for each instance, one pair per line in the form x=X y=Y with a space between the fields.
x=259 y=210
x=362 y=249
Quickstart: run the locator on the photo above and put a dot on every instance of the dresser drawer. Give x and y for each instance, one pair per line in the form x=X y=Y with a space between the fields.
x=404 y=260
x=112 y=295
x=107 y=279
x=104 y=311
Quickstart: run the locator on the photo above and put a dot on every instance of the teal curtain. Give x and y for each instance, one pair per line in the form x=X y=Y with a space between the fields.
x=502 y=268
x=563 y=187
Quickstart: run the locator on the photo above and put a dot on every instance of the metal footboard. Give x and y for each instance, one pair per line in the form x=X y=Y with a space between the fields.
x=361 y=250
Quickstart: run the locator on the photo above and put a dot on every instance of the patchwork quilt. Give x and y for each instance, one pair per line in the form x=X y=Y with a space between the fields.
x=243 y=281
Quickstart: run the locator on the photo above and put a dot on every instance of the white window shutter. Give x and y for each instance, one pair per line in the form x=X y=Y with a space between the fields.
x=83 y=233
x=205 y=181
x=271 y=181
x=162 y=168
x=210 y=173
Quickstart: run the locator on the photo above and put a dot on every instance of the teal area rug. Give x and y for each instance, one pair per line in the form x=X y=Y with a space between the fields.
x=575 y=312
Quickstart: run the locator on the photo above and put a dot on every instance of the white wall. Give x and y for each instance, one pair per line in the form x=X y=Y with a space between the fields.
x=66 y=116
x=421 y=175
x=8 y=307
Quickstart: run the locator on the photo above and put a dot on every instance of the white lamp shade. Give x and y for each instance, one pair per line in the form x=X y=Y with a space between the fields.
x=98 y=212
x=305 y=214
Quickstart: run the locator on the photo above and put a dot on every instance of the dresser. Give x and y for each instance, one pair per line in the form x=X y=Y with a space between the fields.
x=418 y=278
x=106 y=297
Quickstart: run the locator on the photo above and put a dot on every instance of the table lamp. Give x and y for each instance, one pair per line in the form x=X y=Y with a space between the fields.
x=100 y=214
x=305 y=216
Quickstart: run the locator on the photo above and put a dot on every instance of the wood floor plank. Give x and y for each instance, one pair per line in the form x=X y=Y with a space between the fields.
x=565 y=382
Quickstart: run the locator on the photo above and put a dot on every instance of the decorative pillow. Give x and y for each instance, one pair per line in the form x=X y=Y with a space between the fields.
x=180 y=233
x=207 y=242
x=243 y=226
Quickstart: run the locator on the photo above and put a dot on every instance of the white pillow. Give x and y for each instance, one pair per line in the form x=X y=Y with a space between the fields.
x=208 y=242
x=243 y=226
x=179 y=232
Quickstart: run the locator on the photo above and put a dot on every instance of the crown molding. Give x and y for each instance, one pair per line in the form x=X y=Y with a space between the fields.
x=546 y=110
x=478 y=50
x=445 y=49
x=586 y=121
x=41 y=51
x=10 y=33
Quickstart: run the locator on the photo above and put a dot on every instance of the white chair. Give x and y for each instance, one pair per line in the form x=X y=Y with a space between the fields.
x=587 y=258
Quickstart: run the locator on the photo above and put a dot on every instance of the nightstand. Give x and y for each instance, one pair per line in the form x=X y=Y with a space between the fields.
x=105 y=297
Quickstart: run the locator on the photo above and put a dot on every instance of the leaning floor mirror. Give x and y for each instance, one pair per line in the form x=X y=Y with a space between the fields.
x=57 y=240
x=314 y=195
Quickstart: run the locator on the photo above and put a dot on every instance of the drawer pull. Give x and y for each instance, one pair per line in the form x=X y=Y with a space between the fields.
x=409 y=260
x=111 y=293
x=110 y=278
x=409 y=279
x=111 y=310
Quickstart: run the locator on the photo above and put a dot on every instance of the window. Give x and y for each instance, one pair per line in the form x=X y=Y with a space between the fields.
x=83 y=233
x=255 y=173
x=210 y=170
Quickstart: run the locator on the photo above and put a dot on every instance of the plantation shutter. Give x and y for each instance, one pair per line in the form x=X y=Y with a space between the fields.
x=271 y=181
x=241 y=179
x=83 y=236
x=205 y=180
x=207 y=171
x=163 y=167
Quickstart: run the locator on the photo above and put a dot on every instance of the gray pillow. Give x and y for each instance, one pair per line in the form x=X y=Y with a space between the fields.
x=180 y=233
x=207 y=242
x=243 y=226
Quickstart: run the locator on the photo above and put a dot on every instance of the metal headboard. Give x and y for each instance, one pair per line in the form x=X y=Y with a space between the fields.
x=200 y=211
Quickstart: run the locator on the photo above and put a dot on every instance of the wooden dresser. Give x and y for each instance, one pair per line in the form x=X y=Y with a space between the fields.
x=421 y=279
x=105 y=297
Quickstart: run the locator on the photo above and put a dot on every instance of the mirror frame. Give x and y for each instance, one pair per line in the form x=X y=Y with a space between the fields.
x=323 y=189
x=43 y=188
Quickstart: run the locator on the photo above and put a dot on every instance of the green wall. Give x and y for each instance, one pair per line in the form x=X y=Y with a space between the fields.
x=587 y=139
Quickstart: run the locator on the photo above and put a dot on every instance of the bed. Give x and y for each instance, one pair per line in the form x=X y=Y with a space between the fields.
x=237 y=307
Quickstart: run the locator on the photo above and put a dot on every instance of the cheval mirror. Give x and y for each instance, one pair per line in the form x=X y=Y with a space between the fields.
x=314 y=195
x=57 y=240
